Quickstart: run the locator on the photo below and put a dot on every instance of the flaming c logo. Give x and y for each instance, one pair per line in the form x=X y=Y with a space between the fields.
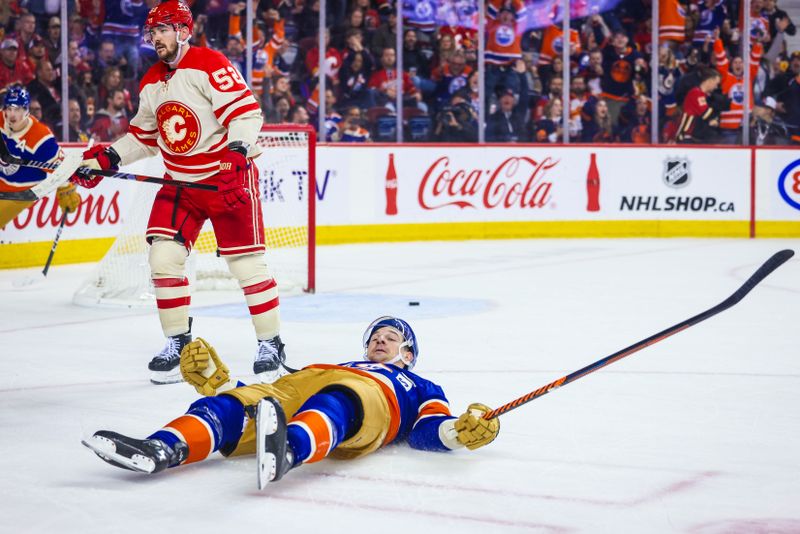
x=179 y=127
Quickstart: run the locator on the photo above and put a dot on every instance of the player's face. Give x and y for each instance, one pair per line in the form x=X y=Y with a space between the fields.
x=165 y=41
x=384 y=345
x=15 y=117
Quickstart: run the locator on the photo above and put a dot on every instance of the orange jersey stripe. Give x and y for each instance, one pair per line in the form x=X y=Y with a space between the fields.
x=195 y=434
x=433 y=408
x=388 y=392
x=318 y=426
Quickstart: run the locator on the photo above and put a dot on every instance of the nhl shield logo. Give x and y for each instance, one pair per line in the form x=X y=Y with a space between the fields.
x=676 y=172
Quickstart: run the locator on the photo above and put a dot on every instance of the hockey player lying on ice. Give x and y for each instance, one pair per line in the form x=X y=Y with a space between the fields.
x=346 y=411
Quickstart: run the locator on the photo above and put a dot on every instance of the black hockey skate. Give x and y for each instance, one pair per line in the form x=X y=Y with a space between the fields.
x=270 y=360
x=165 y=366
x=274 y=457
x=142 y=455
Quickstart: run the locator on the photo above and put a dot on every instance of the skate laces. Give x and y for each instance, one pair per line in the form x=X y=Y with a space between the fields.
x=268 y=351
x=170 y=350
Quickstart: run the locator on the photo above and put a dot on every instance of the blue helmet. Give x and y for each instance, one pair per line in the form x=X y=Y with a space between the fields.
x=17 y=96
x=402 y=328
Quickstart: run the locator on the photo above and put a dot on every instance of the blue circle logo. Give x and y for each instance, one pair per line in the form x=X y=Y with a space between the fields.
x=794 y=187
x=505 y=36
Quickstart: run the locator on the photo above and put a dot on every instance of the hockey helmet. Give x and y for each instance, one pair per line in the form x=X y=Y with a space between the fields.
x=170 y=13
x=17 y=96
x=402 y=328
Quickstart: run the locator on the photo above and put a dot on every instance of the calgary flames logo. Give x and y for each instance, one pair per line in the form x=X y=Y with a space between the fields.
x=179 y=127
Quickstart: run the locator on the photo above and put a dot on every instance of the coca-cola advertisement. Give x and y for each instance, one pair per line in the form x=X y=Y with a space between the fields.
x=527 y=184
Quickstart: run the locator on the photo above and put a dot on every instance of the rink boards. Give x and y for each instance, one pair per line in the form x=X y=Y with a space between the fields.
x=452 y=192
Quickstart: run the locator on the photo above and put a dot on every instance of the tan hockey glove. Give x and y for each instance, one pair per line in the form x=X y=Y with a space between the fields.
x=68 y=198
x=473 y=430
x=202 y=367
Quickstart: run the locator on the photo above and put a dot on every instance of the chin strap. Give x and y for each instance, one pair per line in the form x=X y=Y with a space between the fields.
x=397 y=358
x=181 y=44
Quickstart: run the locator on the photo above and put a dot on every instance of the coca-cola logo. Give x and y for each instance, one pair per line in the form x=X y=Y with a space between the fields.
x=92 y=210
x=517 y=182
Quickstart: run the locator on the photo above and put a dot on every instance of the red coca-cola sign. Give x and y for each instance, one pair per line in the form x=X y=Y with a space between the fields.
x=92 y=210
x=517 y=182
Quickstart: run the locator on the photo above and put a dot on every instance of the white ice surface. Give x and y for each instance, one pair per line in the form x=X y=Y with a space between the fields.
x=699 y=433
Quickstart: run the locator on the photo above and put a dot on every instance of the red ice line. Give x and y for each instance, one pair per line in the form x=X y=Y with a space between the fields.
x=428 y=513
x=676 y=487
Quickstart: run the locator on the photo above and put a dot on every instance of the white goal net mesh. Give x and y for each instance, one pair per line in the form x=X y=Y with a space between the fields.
x=122 y=277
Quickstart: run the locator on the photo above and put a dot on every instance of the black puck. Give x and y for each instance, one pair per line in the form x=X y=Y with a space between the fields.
x=413 y=303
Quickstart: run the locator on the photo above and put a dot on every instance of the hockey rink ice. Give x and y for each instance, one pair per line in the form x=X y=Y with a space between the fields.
x=699 y=433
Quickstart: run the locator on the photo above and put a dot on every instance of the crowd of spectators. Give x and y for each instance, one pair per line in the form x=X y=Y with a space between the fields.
x=609 y=66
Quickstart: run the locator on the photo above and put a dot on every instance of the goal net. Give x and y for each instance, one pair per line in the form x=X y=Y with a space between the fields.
x=287 y=186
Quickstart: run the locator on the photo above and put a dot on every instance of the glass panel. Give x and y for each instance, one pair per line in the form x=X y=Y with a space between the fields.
x=610 y=80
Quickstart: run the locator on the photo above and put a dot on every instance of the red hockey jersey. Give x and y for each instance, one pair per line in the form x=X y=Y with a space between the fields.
x=186 y=114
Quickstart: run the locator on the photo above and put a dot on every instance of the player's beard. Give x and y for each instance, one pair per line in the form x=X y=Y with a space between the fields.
x=167 y=54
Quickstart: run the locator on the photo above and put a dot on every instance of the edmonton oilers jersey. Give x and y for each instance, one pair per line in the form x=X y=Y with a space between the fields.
x=417 y=406
x=36 y=142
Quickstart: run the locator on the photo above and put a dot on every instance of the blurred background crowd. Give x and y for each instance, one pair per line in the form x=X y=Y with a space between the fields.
x=610 y=80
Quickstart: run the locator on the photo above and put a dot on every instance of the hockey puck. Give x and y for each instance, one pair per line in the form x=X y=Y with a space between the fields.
x=413 y=303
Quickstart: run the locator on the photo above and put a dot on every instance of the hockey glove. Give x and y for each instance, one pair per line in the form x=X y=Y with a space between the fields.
x=202 y=367
x=97 y=158
x=473 y=430
x=68 y=198
x=232 y=167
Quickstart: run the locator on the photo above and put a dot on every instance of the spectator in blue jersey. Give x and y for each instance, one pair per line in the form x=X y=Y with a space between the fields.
x=345 y=411
x=351 y=129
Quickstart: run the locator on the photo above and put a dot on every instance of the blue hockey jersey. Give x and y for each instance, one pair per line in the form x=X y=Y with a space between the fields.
x=36 y=142
x=417 y=406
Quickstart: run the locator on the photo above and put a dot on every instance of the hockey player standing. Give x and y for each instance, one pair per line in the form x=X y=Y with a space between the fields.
x=27 y=138
x=345 y=411
x=196 y=110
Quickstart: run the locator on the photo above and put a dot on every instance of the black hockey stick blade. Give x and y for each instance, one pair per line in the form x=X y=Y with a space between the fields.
x=777 y=259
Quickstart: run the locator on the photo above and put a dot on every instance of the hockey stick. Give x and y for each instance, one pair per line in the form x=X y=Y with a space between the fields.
x=60 y=174
x=7 y=157
x=777 y=259
x=55 y=244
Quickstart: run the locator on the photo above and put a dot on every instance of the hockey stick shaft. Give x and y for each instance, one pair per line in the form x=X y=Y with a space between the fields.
x=777 y=259
x=7 y=157
x=55 y=244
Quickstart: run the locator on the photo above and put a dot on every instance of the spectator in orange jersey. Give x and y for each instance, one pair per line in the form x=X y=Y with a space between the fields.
x=503 y=45
x=732 y=86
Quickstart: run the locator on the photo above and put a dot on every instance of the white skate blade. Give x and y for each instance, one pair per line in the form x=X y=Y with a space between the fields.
x=266 y=424
x=166 y=377
x=106 y=449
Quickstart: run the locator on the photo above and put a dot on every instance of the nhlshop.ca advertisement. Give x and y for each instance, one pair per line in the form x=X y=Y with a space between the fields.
x=384 y=184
